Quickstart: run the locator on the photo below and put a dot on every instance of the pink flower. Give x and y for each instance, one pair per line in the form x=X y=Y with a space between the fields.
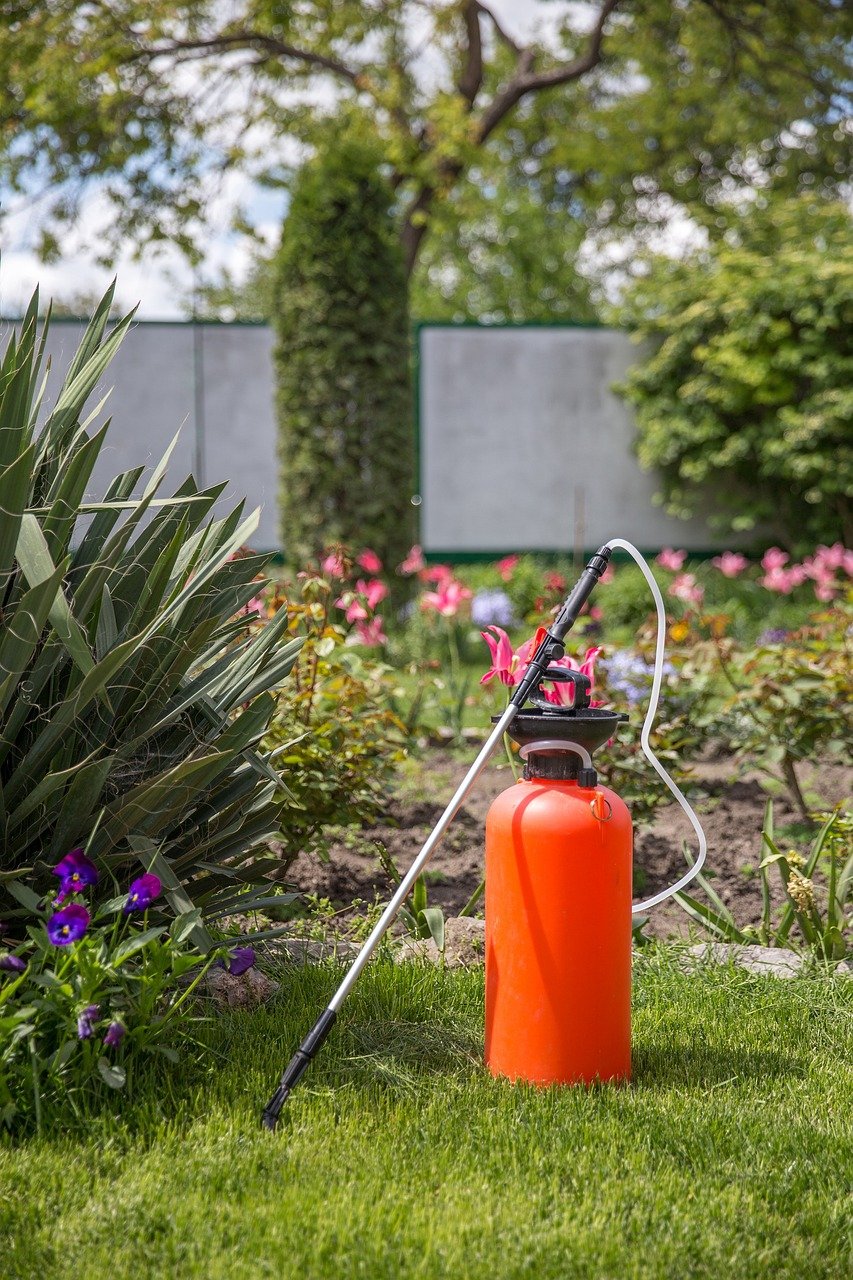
x=355 y=610
x=833 y=557
x=447 y=599
x=774 y=558
x=333 y=565
x=555 y=582
x=506 y=566
x=730 y=563
x=685 y=587
x=373 y=591
x=504 y=662
x=672 y=560
x=371 y=632
x=256 y=605
x=413 y=562
x=369 y=560
x=563 y=693
x=784 y=580
x=437 y=573
x=607 y=576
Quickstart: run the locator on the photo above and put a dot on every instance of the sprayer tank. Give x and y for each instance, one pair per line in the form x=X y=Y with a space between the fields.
x=558 y=933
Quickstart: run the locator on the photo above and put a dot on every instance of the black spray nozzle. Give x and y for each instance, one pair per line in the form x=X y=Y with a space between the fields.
x=551 y=647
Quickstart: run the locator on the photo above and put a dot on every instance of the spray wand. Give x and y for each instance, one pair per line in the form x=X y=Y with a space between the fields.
x=548 y=647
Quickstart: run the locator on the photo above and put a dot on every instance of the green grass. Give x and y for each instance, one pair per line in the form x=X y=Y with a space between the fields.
x=398 y=1156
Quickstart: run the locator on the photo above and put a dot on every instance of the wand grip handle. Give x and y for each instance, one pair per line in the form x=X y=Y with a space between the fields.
x=298 y=1065
x=580 y=593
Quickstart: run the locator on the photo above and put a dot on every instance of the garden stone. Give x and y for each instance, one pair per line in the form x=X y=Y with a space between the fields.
x=844 y=969
x=239 y=991
x=776 y=961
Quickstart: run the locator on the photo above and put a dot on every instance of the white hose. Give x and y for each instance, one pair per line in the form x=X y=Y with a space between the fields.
x=651 y=712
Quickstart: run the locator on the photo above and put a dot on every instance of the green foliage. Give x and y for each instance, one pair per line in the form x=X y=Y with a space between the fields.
x=824 y=915
x=744 y=399
x=332 y=731
x=133 y=697
x=119 y=981
x=791 y=701
x=510 y=141
x=342 y=362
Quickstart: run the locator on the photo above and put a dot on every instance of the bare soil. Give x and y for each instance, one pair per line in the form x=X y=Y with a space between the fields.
x=731 y=808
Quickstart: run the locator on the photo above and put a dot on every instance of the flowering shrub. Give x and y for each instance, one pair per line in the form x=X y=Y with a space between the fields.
x=88 y=990
x=336 y=740
x=791 y=701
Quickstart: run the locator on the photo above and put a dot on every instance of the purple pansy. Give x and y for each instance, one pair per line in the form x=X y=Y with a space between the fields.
x=12 y=964
x=242 y=958
x=68 y=925
x=115 y=1034
x=75 y=871
x=86 y=1021
x=142 y=893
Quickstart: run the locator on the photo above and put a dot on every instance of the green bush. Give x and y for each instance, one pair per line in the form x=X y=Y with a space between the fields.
x=133 y=696
x=333 y=730
x=745 y=396
x=342 y=362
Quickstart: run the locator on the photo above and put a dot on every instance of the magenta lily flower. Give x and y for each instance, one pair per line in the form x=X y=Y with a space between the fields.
x=413 y=562
x=447 y=600
x=355 y=610
x=504 y=662
x=142 y=893
x=371 y=632
x=67 y=925
x=333 y=565
x=438 y=573
x=369 y=561
x=373 y=591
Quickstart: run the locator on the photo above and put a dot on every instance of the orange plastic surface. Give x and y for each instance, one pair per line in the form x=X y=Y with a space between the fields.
x=558 y=934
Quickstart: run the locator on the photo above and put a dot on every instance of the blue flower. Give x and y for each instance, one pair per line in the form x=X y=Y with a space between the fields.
x=86 y=1021
x=242 y=958
x=12 y=964
x=75 y=872
x=116 y=1032
x=142 y=893
x=67 y=925
x=493 y=608
x=775 y=635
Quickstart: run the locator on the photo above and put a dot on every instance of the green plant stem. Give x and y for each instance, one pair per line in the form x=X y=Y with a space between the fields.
x=792 y=782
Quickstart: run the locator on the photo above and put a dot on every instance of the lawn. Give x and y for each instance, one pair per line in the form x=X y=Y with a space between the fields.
x=729 y=1156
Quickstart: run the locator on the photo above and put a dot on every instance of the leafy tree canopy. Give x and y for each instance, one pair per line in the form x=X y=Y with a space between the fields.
x=623 y=107
x=744 y=395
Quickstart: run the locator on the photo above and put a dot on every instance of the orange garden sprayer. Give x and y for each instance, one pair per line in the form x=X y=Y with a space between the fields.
x=558 y=880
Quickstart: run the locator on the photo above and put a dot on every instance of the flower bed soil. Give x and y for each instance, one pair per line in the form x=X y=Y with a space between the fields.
x=731 y=809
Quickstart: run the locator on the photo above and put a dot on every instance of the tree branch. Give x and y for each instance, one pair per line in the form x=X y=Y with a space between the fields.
x=501 y=32
x=472 y=76
x=251 y=40
x=527 y=81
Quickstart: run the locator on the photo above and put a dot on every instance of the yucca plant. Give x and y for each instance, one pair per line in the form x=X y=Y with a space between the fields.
x=133 y=696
